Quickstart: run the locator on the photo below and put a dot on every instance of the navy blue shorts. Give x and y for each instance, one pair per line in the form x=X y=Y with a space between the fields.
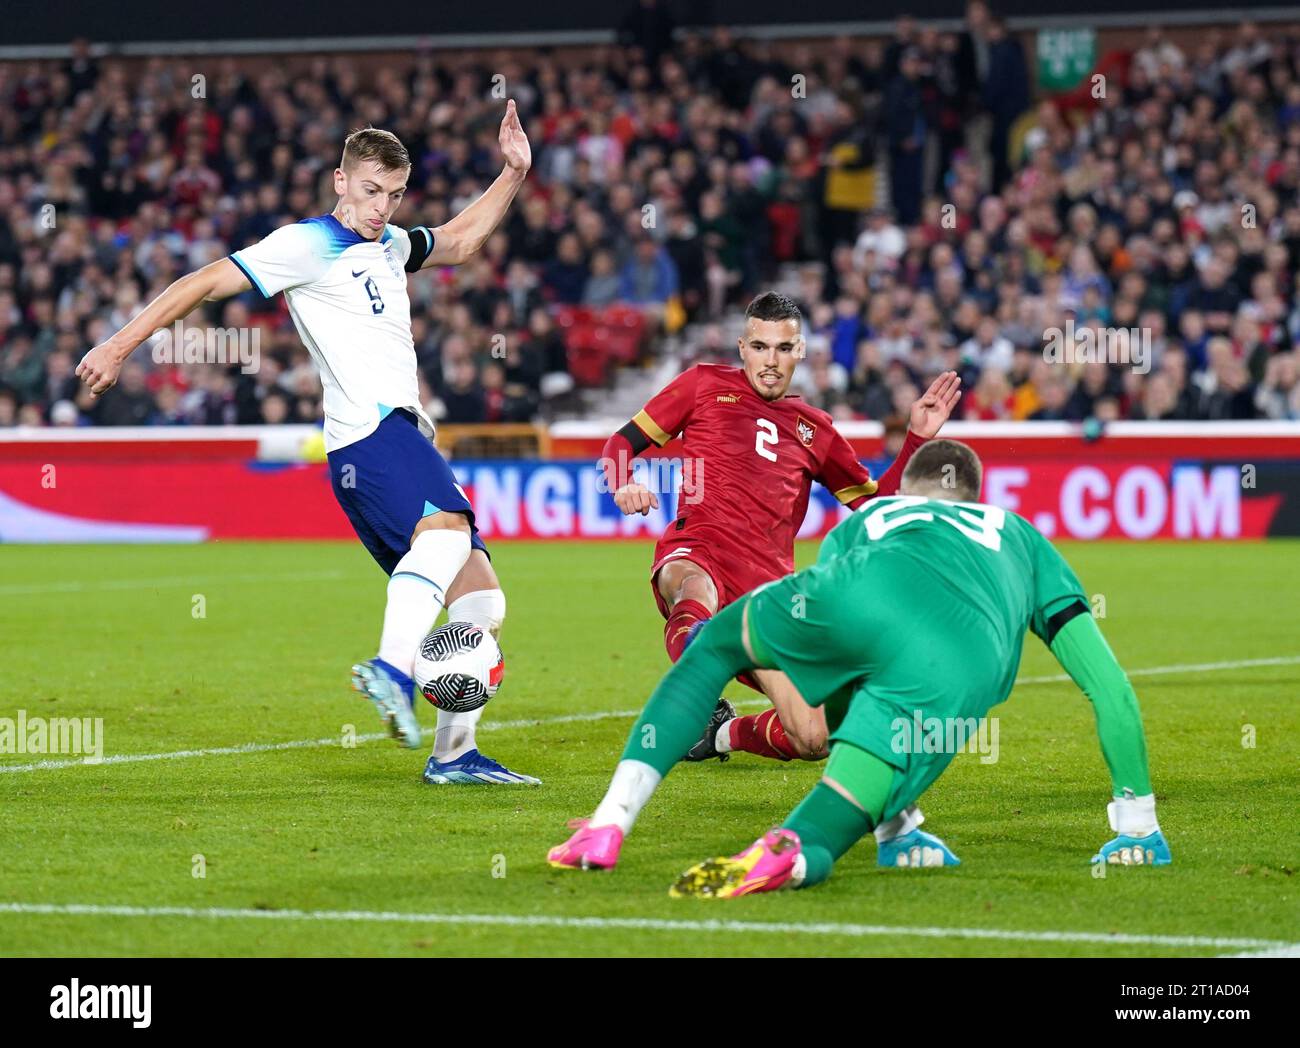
x=389 y=481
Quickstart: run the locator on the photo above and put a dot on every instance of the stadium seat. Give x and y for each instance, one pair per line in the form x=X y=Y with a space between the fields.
x=588 y=355
x=622 y=329
x=567 y=316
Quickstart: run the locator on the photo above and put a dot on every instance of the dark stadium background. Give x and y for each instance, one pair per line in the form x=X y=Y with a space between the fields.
x=34 y=22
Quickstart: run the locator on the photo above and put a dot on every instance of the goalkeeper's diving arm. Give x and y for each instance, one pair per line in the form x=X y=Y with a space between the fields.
x=1083 y=653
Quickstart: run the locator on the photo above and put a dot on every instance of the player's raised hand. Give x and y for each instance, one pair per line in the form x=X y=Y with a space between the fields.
x=514 y=143
x=99 y=369
x=635 y=498
x=931 y=410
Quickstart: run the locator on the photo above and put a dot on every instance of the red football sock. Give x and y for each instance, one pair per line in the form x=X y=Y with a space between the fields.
x=686 y=613
x=762 y=733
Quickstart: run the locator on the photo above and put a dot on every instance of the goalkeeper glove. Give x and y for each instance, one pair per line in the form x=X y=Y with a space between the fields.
x=899 y=842
x=1139 y=841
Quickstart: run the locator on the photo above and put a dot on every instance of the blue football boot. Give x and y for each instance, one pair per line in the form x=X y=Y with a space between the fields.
x=393 y=694
x=471 y=768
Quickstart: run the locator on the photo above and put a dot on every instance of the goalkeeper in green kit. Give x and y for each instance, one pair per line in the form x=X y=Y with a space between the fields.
x=915 y=612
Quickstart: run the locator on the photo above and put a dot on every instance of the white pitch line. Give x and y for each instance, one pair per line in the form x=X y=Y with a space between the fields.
x=87 y=585
x=534 y=722
x=822 y=928
x=1292 y=950
x=1190 y=667
x=568 y=718
x=295 y=744
x=175 y=755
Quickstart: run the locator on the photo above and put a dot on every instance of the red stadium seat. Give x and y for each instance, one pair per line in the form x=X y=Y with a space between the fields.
x=624 y=316
x=786 y=223
x=621 y=344
x=588 y=355
x=568 y=316
x=623 y=328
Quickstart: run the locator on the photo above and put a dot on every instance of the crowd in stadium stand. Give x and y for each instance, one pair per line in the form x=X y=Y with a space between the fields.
x=926 y=209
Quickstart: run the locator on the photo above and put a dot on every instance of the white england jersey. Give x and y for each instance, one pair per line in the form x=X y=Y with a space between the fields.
x=347 y=296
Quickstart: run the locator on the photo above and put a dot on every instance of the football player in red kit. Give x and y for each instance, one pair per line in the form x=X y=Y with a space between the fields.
x=751 y=453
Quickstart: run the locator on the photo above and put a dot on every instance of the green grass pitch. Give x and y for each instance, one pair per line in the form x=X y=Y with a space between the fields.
x=324 y=849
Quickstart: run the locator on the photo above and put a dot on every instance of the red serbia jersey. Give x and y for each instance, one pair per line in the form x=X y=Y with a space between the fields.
x=748 y=469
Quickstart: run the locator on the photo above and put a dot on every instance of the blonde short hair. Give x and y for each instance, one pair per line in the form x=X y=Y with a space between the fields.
x=373 y=143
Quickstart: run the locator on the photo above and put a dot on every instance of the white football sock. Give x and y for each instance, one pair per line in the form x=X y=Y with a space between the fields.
x=416 y=590
x=455 y=734
x=722 y=740
x=631 y=787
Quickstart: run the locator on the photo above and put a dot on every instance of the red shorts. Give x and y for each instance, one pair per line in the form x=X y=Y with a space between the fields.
x=734 y=568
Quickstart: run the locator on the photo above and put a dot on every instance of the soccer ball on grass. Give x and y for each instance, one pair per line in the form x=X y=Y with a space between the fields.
x=459 y=667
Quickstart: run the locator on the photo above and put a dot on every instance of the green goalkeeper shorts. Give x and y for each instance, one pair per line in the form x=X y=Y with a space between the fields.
x=903 y=664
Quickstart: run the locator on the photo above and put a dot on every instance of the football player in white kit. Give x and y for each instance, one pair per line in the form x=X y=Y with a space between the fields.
x=343 y=276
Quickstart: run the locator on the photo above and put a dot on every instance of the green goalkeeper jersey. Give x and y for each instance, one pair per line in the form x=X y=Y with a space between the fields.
x=993 y=562
x=919 y=607
x=915 y=613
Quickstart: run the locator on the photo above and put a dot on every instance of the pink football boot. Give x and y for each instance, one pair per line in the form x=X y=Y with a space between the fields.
x=591 y=848
x=765 y=866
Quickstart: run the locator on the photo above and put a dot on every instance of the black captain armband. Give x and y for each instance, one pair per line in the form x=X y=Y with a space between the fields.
x=1057 y=622
x=421 y=246
x=633 y=435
